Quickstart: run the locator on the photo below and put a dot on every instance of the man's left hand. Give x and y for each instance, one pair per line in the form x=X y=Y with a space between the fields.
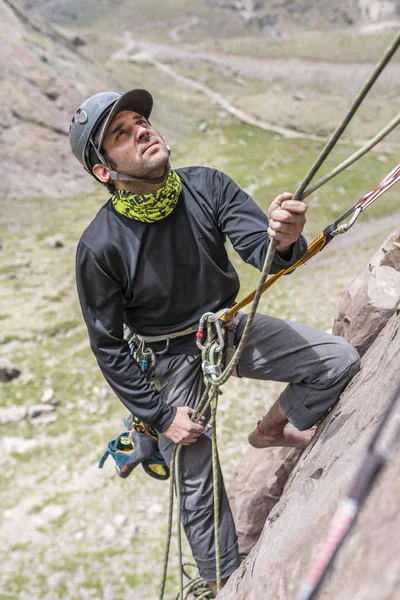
x=287 y=218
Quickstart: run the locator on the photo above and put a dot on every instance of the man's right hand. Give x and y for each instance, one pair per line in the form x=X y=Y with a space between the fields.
x=182 y=429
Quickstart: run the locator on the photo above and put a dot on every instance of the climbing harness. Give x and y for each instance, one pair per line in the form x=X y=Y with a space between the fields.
x=380 y=449
x=143 y=354
x=210 y=334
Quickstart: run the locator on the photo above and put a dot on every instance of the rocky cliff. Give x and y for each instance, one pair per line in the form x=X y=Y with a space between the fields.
x=44 y=77
x=372 y=298
x=367 y=566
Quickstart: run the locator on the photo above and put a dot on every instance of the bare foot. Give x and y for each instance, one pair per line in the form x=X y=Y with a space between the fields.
x=291 y=437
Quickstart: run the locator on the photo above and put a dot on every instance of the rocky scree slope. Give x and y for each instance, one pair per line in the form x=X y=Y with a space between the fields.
x=44 y=78
x=275 y=18
x=279 y=17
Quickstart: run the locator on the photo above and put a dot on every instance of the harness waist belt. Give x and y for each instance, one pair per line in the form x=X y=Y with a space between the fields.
x=168 y=336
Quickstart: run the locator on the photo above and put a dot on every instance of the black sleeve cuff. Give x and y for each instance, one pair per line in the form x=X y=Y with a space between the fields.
x=279 y=263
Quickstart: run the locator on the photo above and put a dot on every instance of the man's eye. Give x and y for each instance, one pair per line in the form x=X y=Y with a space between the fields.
x=120 y=132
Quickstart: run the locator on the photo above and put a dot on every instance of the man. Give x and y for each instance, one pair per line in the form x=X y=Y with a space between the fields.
x=154 y=259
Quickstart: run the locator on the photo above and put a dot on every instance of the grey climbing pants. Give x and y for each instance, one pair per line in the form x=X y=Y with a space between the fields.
x=316 y=366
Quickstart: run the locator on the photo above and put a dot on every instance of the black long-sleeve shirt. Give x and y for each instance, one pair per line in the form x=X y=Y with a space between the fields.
x=161 y=277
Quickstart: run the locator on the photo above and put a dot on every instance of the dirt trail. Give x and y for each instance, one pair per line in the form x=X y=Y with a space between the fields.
x=267 y=69
x=342 y=78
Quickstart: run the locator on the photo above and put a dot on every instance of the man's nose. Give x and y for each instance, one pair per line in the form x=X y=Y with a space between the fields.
x=141 y=133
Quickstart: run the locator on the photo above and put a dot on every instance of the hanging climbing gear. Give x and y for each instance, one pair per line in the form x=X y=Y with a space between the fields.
x=143 y=354
x=138 y=445
x=215 y=373
x=380 y=449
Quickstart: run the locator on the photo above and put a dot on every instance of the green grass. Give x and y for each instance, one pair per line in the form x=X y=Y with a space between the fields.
x=346 y=46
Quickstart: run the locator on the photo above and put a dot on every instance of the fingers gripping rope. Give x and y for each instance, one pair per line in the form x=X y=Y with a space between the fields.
x=322 y=239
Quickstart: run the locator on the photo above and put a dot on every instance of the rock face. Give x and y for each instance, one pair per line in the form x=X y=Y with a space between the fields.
x=44 y=78
x=367 y=566
x=256 y=487
x=372 y=298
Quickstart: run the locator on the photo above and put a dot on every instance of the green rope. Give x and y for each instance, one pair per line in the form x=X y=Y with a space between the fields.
x=352 y=159
x=178 y=525
x=347 y=117
x=214 y=450
x=169 y=526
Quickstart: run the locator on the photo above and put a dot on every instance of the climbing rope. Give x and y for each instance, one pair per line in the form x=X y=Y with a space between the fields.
x=324 y=237
x=212 y=349
x=380 y=449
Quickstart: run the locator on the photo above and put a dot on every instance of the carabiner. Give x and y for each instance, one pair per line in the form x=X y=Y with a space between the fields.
x=346 y=226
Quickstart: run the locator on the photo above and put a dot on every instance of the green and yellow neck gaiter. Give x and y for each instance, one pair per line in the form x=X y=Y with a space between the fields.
x=149 y=208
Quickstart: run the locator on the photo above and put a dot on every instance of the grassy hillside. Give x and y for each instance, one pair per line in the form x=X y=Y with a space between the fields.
x=69 y=530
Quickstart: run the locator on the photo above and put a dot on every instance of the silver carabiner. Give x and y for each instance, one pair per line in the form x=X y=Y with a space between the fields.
x=346 y=226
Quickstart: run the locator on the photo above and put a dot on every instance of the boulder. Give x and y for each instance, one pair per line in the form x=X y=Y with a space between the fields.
x=48 y=397
x=12 y=414
x=37 y=410
x=256 y=487
x=372 y=298
x=366 y=568
x=8 y=371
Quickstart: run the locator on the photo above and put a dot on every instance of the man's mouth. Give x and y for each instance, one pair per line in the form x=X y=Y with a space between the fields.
x=149 y=145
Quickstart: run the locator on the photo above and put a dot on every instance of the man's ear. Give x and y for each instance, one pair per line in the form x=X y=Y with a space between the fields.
x=101 y=172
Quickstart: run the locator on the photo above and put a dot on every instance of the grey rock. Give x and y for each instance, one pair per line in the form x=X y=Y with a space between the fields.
x=37 y=410
x=154 y=511
x=55 y=579
x=255 y=489
x=19 y=445
x=109 y=533
x=8 y=370
x=100 y=393
x=366 y=568
x=372 y=298
x=48 y=397
x=55 y=242
x=78 y=42
x=120 y=520
x=13 y=414
x=202 y=128
x=45 y=419
x=52 y=512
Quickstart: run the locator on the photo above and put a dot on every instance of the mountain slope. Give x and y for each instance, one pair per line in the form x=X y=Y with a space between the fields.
x=44 y=79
